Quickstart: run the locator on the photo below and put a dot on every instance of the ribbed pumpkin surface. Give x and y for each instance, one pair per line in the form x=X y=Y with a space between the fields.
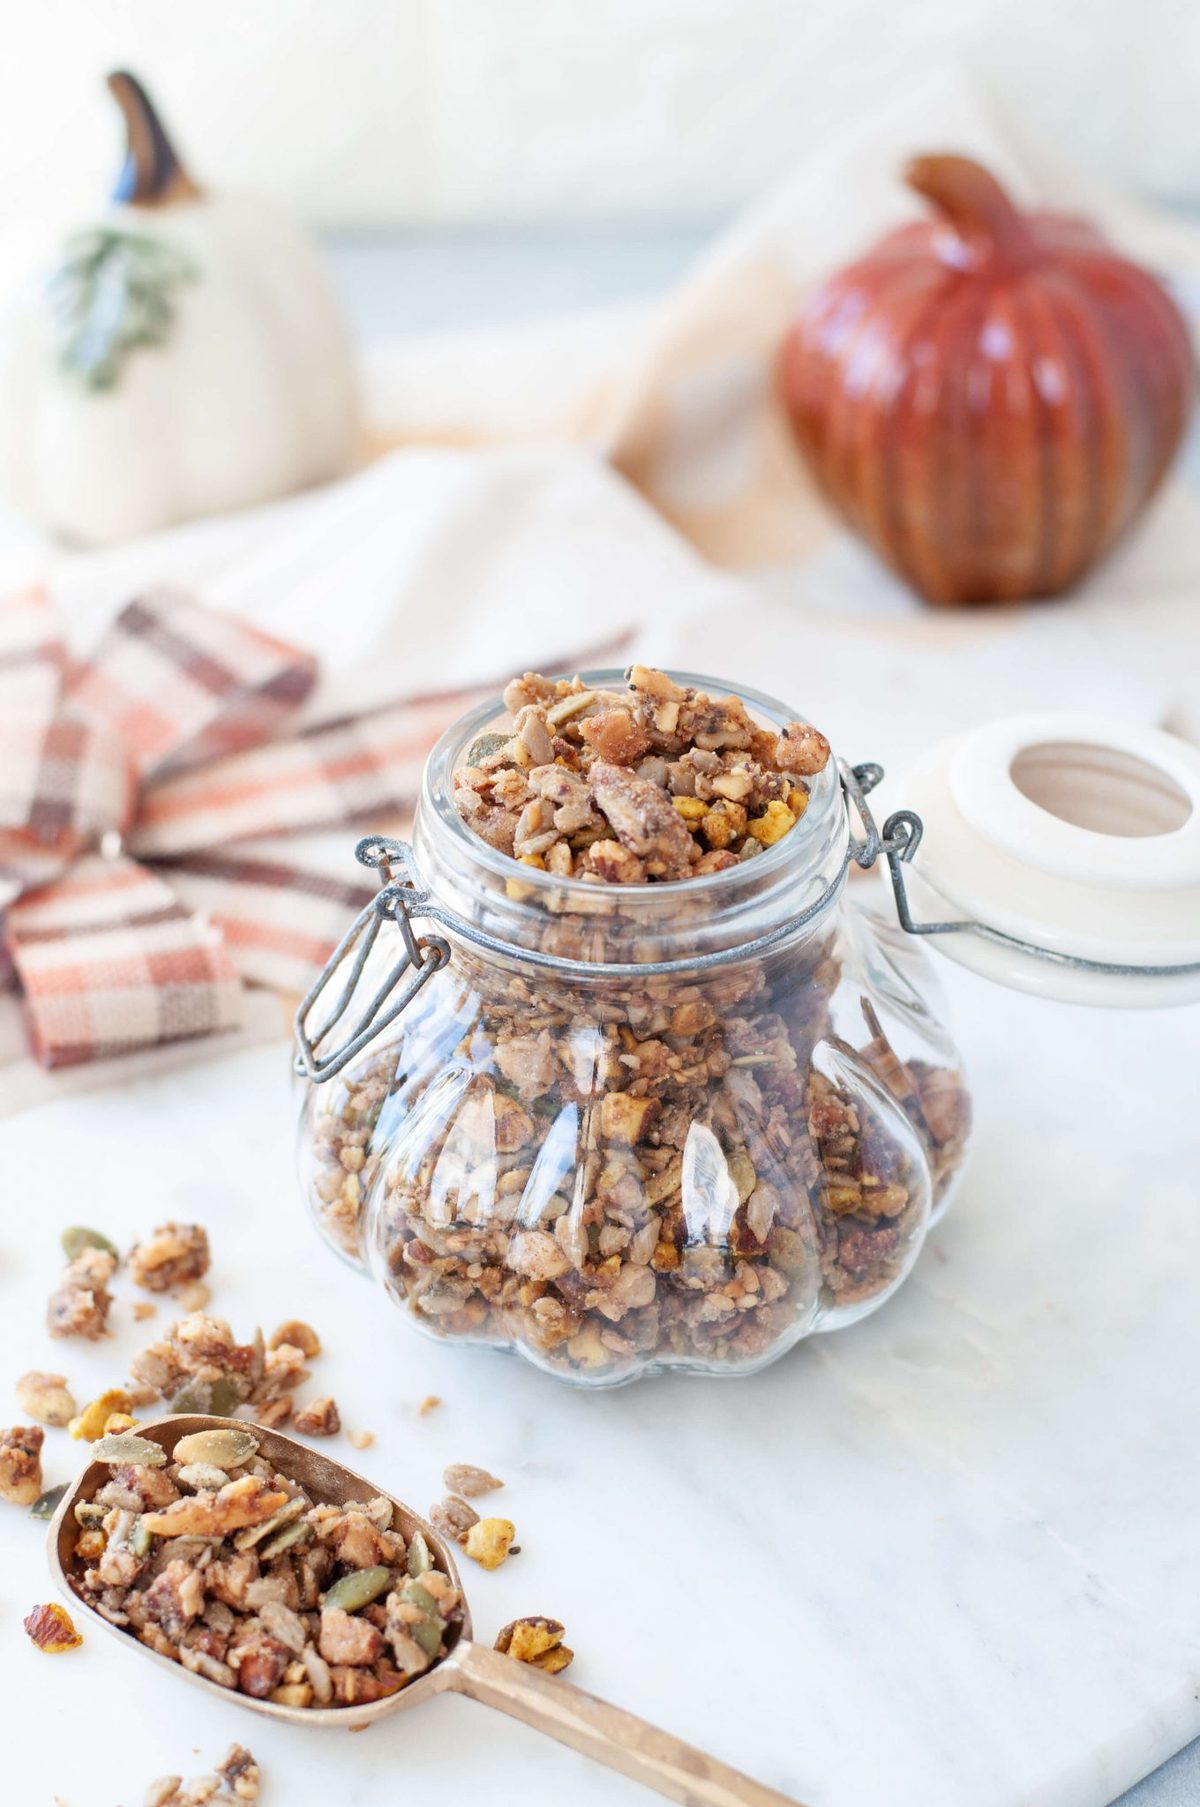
x=989 y=398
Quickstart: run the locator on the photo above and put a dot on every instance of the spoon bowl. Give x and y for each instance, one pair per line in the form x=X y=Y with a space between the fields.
x=326 y=1481
x=605 y=1733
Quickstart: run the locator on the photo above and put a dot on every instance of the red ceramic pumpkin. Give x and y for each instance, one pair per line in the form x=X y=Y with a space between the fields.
x=991 y=397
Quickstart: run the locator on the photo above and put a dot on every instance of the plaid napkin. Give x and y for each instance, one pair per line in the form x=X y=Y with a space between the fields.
x=136 y=791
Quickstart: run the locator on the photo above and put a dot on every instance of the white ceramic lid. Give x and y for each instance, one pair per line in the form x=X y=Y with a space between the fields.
x=1075 y=833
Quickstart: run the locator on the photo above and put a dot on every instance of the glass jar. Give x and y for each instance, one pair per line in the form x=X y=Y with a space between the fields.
x=629 y=1127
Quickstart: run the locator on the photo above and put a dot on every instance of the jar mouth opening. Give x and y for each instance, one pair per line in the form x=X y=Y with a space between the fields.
x=437 y=802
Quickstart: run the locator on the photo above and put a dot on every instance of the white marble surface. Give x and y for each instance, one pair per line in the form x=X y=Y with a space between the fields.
x=944 y=1559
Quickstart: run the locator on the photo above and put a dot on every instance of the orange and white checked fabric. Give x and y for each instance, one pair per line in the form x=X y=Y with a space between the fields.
x=146 y=804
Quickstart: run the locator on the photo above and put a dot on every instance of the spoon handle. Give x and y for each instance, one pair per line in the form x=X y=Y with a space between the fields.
x=605 y=1733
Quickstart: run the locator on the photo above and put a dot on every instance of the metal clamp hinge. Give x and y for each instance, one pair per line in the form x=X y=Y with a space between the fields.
x=421 y=956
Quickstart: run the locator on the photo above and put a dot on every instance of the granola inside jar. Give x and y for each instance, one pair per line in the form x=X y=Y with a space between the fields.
x=633 y=1125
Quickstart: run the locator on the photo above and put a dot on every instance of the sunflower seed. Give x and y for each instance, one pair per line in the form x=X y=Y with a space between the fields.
x=419 y=1558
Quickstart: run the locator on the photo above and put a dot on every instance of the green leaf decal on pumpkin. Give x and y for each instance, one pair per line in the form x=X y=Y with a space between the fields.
x=113 y=294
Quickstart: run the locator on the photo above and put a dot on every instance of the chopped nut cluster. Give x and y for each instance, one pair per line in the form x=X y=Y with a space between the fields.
x=236 y=1779
x=52 y=1629
x=656 y=782
x=80 y=1305
x=321 y=1418
x=198 y=1366
x=692 y=1169
x=536 y=1641
x=173 y=1255
x=46 y=1398
x=215 y=1558
x=21 y=1464
x=489 y=1541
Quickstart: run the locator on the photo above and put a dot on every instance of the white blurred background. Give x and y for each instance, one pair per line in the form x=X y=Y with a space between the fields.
x=379 y=113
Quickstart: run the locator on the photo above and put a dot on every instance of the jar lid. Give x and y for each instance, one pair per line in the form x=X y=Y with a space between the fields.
x=1069 y=846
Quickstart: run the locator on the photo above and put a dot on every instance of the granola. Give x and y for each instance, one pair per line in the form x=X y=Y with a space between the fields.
x=80 y=1304
x=46 y=1398
x=536 y=1641
x=52 y=1629
x=235 y=1779
x=692 y=1168
x=21 y=1464
x=654 y=783
x=240 y=1575
x=199 y=1366
x=667 y=1175
x=489 y=1542
x=320 y=1418
x=173 y=1255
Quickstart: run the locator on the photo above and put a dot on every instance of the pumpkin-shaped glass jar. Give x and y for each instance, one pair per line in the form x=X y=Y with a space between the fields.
x=628 y=1127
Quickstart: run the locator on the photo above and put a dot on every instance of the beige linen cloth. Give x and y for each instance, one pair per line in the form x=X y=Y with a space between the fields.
x=505 y=524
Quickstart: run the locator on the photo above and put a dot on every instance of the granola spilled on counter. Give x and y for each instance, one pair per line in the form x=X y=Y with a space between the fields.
x=199 y=1366
x=235 y=1779
x=654 y=783
x=80 y=1304
x=536 y=1641
x=52 y=1629
x=693 y=1169
x=173 y=1255
x=21 y=1464
x=214 y=1557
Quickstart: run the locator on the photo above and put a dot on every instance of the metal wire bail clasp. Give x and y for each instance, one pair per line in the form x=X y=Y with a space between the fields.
x=398 y=901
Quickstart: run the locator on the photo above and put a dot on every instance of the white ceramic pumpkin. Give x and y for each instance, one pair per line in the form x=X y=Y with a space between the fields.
x=187 y=356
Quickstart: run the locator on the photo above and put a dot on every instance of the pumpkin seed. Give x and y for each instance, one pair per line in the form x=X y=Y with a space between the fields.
x=483 y=746
x=428 y=1634
x=246 y=1540
x=140 y=1539
x=359 y=1589
x=79 y=1237
x=215 y=1398
x=416 y=1595
x=227 y=1393
x=193 y=1396
x=126 y=1447
x=427 y=1631
x=419 y=1558
x=47 y=1505
x=284 y=1540
x=224 y=1449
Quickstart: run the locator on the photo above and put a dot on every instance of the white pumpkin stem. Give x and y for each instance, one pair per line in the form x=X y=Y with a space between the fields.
x=152 y=175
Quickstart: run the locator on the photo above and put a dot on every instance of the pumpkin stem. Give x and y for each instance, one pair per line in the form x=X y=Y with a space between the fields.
x=152 y=175
x=973 y=204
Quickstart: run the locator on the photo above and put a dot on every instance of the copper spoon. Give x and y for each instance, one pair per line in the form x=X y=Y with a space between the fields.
x=605 y=1733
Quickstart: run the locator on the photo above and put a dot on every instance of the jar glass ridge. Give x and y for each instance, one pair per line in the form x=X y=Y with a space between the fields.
x=614 y=1172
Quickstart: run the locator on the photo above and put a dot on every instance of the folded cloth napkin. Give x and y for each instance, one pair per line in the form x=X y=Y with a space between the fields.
x=185 y=779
